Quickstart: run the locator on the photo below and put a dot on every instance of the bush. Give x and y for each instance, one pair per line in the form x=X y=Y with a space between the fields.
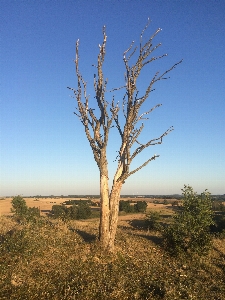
x=19 y=207
x=152 y=220
x=190 y=231
x=125 y=206
x=83 y=211
x=32 y=214
x=140 y=206
x=74 y=212
x=165 y=202
x=22 y=211
x=59 y=211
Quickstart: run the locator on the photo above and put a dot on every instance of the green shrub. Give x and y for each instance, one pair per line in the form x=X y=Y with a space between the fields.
x=140 y=206
x=190 y=231
x=74 y=212
x=126 y=206
x=59 y=211
x=32 y=214
x=83 y=211
x=19 y=207
x=22 y=212
x=152 y=220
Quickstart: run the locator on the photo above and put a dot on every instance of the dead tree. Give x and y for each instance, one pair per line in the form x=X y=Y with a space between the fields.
x=97 y=128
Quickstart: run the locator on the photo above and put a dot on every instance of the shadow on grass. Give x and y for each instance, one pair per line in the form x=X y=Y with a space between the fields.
x=140 y=225
x=153 y=238
x=175 y=208
x=87 y=237
x=47 y=211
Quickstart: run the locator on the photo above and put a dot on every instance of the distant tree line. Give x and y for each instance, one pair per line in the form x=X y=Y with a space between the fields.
x=77 y=202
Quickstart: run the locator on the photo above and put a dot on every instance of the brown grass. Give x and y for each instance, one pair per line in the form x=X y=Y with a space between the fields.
x=51 y=259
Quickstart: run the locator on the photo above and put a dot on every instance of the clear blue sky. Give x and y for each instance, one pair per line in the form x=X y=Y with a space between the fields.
x=43 y=146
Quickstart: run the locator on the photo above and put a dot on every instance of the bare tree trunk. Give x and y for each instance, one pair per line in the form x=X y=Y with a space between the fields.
x=114 y=211
x=104 y=195
x=104 y=213
x=109 y=208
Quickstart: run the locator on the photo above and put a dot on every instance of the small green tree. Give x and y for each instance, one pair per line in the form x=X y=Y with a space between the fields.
x=59 y=211
x=140 y=206
x=22 y=212
x=19 y=207
x=72 y=212
x=125 y=206
x=190 y=231
x=152 y=220
x=83 y=211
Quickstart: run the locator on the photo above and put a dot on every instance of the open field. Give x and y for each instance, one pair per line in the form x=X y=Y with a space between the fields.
x=45 y=204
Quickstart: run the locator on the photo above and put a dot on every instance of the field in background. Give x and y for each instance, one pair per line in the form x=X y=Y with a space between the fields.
x=45 y=204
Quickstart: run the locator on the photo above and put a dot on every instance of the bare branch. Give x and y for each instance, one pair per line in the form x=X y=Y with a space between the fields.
x=126 y=51
x=154 y=58
x=118 y=126
x=142 y=33
x=152 y=142
x=136 y=135
x=142 y=166
x=116 y=89
x=147 y=112
x=167 y=71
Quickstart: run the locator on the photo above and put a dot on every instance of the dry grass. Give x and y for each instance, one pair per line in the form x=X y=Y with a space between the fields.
x=55 y=260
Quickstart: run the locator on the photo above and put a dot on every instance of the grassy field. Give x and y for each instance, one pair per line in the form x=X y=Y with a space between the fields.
x=50 y=259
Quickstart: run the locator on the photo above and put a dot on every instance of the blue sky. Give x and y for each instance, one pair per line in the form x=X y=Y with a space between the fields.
x=43 y=146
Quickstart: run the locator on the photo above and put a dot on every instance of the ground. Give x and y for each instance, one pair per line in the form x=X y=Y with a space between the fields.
x=54 y=260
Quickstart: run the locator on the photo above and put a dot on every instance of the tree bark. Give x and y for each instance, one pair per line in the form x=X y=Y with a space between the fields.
x=104 y=195
x=104 y=212
x=114 y=211
x=109 y=206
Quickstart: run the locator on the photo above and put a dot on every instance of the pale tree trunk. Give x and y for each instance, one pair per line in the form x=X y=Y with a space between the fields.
x=109 y=210
x=104 y=213
x=114 y=211
x=109 y=214
x=104 y=199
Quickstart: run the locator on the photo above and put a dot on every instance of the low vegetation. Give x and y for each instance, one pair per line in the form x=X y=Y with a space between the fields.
x=78 y=211
x=127 y=206
x=22 y=212
x=190 y=230
x=56 y=258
